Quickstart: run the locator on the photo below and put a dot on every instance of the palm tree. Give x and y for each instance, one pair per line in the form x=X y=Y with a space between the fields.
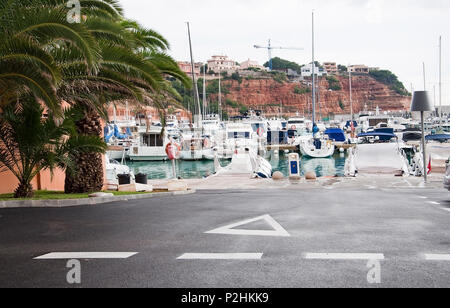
x=103 y=59
x=133 y=66
x=29 y=32
x=30 y=144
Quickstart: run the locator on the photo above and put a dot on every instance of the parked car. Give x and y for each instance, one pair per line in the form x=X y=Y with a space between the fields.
x=447 y=175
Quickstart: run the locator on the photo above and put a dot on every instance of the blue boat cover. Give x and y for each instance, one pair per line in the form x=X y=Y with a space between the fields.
x=336 y=134
x=118 y=135
x=439 y=137
x=382 y=136
x=108 y=133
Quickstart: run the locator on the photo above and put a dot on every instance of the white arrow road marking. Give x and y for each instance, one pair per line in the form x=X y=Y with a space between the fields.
x=86 y=255
x=221 y=256
x=344 y=256
x=278 y=229
x=437 y=257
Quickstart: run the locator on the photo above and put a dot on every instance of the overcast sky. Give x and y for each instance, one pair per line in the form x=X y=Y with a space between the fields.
x=394 y=34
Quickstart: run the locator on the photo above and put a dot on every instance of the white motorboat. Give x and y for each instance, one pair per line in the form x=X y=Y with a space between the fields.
x=191 y=146
x=113 y=170
x=237 y=136
x=119 y=137
x=245 y=161
x=151 y=145
x=373 y=156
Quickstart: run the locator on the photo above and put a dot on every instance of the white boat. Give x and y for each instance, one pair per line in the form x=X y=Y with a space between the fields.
x=191 y=146
x=373 y=156
x=151 y=145
x=317 y=147
x=245 y=161
x=299 y=124
x=237 y=136
x=119 y=137
x=113 y=170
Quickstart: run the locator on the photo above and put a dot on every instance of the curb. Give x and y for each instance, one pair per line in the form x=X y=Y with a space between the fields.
x=86 y=201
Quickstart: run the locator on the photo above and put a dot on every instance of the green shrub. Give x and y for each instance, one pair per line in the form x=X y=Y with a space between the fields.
x=334 y=83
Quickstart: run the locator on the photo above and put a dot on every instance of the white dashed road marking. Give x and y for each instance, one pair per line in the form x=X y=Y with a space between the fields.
x=433 y=202
x=437 y=257
x=344 y=256
x=86 y=255
x=221 y=256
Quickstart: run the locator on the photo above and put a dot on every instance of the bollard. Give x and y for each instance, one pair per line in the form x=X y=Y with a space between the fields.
x=294 y=166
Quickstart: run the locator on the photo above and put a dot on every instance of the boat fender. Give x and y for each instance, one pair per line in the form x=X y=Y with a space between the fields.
x=173 y=151
x=206 y=143
x=260 y=132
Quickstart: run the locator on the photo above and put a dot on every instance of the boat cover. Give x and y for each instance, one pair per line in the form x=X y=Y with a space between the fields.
x=380 y=158
x=336 y=134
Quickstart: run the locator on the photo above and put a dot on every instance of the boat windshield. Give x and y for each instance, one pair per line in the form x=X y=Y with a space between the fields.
x=153 y=140
x=238 y=135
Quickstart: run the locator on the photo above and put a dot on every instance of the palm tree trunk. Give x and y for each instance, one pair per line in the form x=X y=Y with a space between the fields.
x=24 y=190
x=88 y=175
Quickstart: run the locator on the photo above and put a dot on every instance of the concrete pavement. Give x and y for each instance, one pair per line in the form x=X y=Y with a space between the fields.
x=404 y=225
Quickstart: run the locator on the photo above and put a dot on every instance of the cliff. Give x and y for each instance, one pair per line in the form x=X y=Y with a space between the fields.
x=267 y=94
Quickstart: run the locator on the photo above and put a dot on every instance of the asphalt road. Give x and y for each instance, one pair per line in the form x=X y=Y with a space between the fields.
x=403 y=225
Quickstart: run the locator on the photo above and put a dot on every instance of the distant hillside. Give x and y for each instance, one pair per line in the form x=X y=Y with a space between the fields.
x=270 y=90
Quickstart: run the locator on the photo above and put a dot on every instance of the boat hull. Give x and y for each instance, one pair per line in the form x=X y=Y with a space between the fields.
x=326 y=150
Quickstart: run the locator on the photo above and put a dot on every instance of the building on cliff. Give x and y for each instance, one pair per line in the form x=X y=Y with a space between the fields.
x=331 y=68
x=222 y=64
x=187 y=68
x=251 y=64
x=318 y=71
x=359 y=69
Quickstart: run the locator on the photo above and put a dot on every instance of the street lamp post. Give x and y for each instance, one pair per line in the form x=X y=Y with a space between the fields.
x=421 y=103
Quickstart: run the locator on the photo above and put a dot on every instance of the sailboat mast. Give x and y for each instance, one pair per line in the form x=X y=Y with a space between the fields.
x=440 y=80
x=204 y=90
x=220 y=96
x=313 y=76
x=351 y=91
x=196 y=94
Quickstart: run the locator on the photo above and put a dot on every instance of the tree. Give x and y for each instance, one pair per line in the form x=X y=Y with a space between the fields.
x=30 y=33
x=334 y=83
x=281 y=64
x=388 y=78
x=90 y=64
x=133 y=66
x=342 y=68
x=30 y=143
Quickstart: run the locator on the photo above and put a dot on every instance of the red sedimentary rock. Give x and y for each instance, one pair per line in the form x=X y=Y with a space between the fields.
x=268 y=94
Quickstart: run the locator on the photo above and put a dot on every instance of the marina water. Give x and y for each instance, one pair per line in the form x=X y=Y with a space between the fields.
x=333 y=166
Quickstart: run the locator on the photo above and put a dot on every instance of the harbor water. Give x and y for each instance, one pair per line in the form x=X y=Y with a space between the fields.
x=333 y=166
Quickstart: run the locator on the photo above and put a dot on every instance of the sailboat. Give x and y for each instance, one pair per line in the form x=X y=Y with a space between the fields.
x=318 y=145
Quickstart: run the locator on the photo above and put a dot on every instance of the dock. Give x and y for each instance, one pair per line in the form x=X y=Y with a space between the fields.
x=282 y=147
